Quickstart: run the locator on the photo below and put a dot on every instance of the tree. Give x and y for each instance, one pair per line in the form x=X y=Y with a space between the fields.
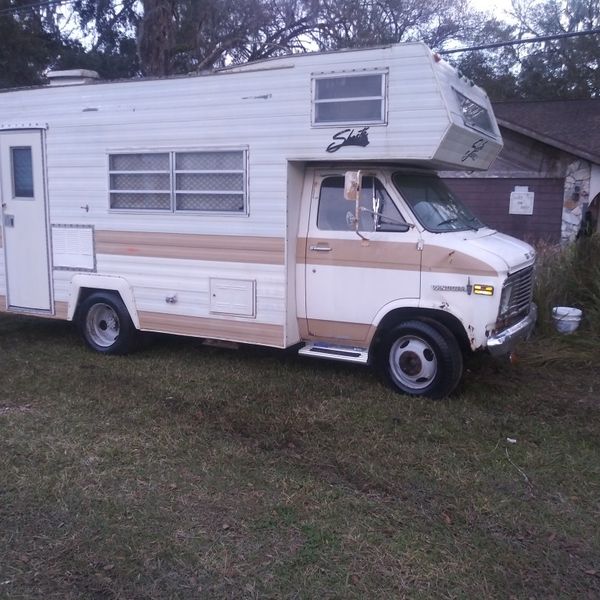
x=354 y=23
x=29 y=40
x=496 y=70
x=562 y=68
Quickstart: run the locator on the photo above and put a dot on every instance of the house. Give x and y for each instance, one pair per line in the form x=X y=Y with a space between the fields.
x=545 y=184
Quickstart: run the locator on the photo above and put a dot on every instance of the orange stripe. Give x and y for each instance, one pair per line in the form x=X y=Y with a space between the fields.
x=221 y=329
x=220 y=248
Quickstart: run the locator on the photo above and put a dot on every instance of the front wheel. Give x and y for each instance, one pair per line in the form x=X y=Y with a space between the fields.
x=105 y=324
x=420 y=359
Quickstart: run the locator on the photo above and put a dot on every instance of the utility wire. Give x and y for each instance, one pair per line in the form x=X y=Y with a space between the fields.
x=543 y=38
x=24 y=7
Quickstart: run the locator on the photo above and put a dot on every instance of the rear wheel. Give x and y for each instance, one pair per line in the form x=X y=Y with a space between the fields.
x=105 y=324
x=421 y=359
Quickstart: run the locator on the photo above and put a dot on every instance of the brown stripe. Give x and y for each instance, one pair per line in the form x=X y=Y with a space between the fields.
x=221 y=329
x=438 y=259
x=61 y=310
x=336 y=332
x=365 y=254
x=401 y=256
x=220 y=248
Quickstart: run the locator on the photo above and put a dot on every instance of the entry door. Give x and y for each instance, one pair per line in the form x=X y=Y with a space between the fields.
x=24 y=220
x=348 y=279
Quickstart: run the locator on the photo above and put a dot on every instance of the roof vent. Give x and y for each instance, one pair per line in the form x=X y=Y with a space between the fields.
x=72 y=77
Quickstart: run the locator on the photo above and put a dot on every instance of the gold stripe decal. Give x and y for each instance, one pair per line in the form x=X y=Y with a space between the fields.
x=437 y=259
x=219 y=248
x=336 y=331
x=400 y=256
x=61 y=310
x=263 y=334
x=357 y=253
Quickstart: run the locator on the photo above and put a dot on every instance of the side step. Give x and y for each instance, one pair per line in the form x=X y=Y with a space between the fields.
x=331 y=352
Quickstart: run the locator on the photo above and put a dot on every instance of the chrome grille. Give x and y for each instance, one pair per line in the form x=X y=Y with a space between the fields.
x=520 y=299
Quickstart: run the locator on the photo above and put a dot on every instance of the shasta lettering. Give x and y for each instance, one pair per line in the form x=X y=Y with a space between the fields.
x=348 y=137
x=473 y=151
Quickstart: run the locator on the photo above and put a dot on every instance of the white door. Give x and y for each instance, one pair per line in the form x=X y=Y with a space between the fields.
x=22 y=191
x=348 y=279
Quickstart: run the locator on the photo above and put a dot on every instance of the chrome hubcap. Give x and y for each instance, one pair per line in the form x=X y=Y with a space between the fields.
x=102 y=325
x=412 y=362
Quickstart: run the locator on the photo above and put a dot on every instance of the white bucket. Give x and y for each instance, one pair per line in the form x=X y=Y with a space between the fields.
x=566 y=319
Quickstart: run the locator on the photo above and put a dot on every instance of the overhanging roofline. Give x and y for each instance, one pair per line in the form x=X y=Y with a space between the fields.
x=549 y=141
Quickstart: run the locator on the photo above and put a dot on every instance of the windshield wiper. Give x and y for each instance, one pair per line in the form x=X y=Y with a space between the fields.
x=448 y=221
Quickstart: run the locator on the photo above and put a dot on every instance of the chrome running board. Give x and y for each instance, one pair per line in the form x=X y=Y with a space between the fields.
x=331 y=352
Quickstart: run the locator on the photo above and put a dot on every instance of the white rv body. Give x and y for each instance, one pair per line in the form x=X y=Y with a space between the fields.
x=256 y=270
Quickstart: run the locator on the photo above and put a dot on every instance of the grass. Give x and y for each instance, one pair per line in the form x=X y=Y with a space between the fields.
x=184 y=471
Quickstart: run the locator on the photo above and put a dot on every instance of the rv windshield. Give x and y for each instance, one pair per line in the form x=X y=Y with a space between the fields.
x=437 y=209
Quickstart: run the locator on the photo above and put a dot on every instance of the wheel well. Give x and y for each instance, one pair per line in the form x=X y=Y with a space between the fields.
x=428 y=315
x=85 y=293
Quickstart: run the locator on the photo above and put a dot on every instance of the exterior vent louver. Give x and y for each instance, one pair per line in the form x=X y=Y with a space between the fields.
x=72 y=77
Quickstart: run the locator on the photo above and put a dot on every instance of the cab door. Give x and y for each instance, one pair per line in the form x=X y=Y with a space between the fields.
x=350 y=278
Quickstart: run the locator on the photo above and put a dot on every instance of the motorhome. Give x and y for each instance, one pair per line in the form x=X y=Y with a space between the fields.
x=291 y=202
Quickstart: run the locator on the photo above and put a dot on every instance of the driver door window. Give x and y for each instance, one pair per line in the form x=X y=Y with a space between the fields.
x=335 y=213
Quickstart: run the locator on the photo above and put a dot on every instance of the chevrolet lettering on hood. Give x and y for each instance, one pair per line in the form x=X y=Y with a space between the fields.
x=449 y=288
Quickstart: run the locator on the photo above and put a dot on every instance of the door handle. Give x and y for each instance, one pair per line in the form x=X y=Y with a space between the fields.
x=319 y=248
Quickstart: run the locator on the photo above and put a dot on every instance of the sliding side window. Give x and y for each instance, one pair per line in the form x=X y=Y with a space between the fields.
x=349 y=99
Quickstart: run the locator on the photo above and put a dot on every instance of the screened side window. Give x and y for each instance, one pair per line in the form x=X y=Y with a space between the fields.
x=337 y=214
x=349 y=99
x=140 y=181
x=210 y=181
x=213 y=181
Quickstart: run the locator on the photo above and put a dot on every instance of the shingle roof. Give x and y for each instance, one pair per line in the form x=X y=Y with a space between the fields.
x=571 y=125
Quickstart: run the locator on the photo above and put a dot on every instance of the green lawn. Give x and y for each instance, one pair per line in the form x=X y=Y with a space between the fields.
x=184 y=471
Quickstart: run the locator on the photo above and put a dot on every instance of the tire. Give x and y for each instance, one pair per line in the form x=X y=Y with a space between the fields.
x=105 y=324
x=421 y=359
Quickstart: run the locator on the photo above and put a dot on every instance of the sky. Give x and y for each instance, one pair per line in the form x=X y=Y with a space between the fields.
x=499 y=8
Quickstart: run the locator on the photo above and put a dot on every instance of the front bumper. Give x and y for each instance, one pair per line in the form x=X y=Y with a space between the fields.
x=504 y=341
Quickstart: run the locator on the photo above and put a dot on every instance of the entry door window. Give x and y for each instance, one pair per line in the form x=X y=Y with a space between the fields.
x=337 y=214
x=22 y=172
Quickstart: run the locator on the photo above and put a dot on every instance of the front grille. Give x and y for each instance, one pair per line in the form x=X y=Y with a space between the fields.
x=522 y=293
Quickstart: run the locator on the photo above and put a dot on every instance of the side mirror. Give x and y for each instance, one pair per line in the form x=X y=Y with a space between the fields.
x=352 y=185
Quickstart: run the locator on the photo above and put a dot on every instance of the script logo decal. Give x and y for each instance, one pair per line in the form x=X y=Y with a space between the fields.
x=348 y=137
x=473 y=151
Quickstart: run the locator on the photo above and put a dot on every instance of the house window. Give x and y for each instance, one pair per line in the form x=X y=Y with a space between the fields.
x=347 y=99
x=198 y=181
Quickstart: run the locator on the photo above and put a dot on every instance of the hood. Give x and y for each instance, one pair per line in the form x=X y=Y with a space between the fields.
x=513 y=252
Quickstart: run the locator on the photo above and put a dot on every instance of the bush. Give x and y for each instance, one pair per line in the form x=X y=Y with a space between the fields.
x=569 y=276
